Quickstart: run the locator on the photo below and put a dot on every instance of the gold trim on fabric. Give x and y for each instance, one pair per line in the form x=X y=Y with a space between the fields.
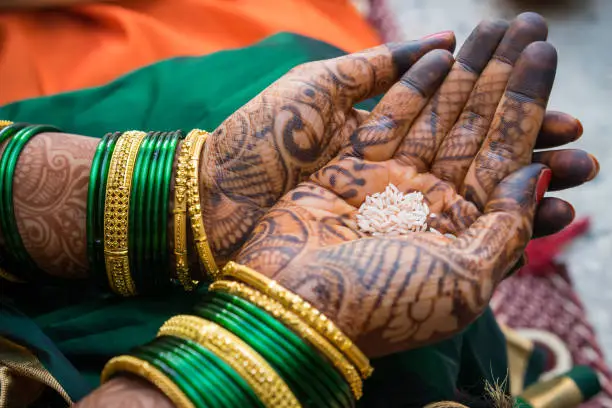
x=21 y=362
x=560 y=392
x=519 y=351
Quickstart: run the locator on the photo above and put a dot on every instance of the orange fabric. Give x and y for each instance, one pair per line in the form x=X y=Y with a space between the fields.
x=46 y=52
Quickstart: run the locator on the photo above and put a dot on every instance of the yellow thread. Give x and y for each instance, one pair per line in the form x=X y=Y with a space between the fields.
x=293 y=322
x=303 y=309
x=116 y=212
x=193 y=202
x=147 y=371
x=265 y=382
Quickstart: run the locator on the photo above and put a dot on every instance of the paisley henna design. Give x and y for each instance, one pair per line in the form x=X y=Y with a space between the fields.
x=395 y=293
x=51 y=180
x=289 y=131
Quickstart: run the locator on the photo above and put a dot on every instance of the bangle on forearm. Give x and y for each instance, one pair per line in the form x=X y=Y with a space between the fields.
x=303 y=309
x=19 y=259
x=246 y=294
x=254 y=346
x=194 y=143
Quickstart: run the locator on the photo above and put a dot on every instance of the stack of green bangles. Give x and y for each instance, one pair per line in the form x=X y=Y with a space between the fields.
x=148 y=209
x=19 y=261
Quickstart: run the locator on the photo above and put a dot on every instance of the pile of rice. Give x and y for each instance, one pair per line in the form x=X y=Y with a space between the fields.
x=393 y=213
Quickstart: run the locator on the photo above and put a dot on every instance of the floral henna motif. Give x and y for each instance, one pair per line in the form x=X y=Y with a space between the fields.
x=51 y=181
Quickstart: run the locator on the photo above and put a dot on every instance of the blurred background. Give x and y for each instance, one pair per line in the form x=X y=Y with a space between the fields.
x=582 y=32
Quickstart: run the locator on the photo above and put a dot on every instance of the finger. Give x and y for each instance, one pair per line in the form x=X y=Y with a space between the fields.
x=378 y=137
x=429 y=129
x=518 y=119
x=496 y=241
x=570 y=167
x=552 y=216
x=459 y=147
x=557 y=130
x=342 y=82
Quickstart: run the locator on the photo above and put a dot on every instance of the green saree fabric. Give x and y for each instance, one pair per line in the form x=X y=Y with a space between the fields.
x=81 y=329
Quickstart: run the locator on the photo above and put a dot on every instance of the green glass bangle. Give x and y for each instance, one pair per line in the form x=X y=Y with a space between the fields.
x=27 y=267
x=137 y=215
x=149 y=223
x=199 y=378
x=330 y=376
x=95 y=213
x=164 y=261
x=321 y=373
x=176 y=375
x=5 y=134
x=207 y=362
x=289 y=365
x=159 y=221
x=99 y=265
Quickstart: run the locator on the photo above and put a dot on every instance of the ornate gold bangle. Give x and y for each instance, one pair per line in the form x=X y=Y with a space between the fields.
x=265 y=382
x=147 y=371
x=194 y=142
x=116 y=211
x=180 y=215
x=293 y=322
x=5 y=123
x=304 y=310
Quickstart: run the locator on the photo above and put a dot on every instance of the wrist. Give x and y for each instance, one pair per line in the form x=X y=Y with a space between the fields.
x=128 y=391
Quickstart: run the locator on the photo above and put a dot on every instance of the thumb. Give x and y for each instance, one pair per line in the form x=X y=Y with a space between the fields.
x=498 y=238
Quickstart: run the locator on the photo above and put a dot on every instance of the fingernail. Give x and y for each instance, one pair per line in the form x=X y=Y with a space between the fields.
x=595 y=171
x=437 y=35
x=543 y=182
x=580 y=128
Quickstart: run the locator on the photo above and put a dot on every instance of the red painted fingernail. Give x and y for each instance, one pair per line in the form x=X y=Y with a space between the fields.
x=543 y=182
x=438 y=35
x=580 y=128
x=596 y=168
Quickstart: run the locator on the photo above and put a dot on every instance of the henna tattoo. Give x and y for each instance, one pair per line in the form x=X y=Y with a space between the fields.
x=51 y=181
x=126 y=392
x=290 y=131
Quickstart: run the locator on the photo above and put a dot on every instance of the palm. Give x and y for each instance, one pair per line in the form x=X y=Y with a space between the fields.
x=467 y=149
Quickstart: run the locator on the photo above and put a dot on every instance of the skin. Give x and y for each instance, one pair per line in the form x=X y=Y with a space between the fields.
x=388 y=294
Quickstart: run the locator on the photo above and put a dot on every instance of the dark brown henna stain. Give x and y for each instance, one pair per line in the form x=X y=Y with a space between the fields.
x=570 y=167
x=558 y=129
x=525 y=29
x=552 y=216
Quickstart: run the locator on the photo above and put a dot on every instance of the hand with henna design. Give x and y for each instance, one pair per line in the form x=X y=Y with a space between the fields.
x=463 y=134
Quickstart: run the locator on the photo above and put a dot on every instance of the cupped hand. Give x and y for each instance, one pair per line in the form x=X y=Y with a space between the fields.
x=462 y=134
x=300 y=122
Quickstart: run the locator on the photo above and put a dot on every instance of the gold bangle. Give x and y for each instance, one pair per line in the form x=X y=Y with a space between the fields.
x=293 y=322
x=265 y=382
x=5 y=123
x=303 y=309
x=194 y=143
x=147 y=371
x=116 y=212
x=180 y=216
x=9 y=276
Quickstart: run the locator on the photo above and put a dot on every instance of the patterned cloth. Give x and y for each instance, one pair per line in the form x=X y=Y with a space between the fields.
x=541 y=304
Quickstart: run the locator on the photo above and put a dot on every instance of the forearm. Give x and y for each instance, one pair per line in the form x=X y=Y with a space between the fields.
x=126 y=392
x=50 y=200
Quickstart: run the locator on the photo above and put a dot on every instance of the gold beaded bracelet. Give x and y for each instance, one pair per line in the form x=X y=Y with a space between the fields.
x=180 y=215
x=141 y=368
x=265 y=382
x=304 y=310
x=116 y=212
x=194 y=142
x=293 y=322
